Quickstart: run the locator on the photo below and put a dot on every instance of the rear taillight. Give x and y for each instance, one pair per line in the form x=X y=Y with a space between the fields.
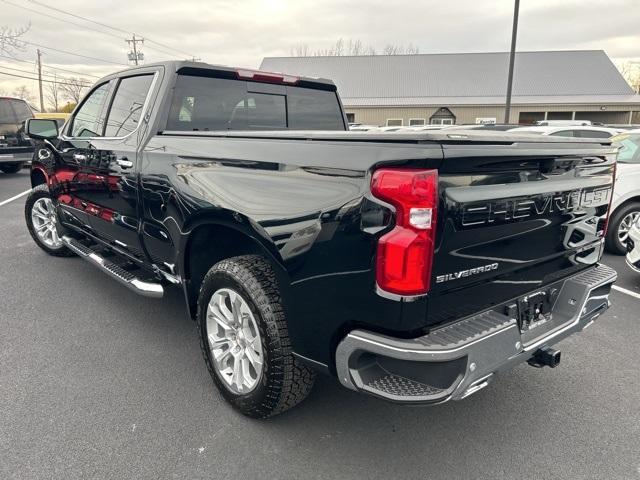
x=405 y=254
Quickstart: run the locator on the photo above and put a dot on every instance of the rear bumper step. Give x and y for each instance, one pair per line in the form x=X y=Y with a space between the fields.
x=128 y=279
x=459 y=359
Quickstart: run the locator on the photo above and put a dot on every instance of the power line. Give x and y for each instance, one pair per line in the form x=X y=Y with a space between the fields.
x=63 y=20
x=56 y=18
x=71 y=53
x=36 y=79
x=88 y=84
x=49 y=67
x=108 y=26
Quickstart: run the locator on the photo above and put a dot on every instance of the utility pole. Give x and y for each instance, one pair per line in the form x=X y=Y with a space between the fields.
x=39 y=53
x=512 y=58
x=135 y=55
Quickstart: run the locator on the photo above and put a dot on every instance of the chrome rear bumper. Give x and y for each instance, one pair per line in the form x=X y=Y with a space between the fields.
x=459 y=359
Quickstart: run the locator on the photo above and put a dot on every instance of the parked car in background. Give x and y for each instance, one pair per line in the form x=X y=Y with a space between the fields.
x=626 y=195
x=633 y=247
x=15 y=147
x=569 y=131
x=563 y=123
x=361 y=127
x=491 y=127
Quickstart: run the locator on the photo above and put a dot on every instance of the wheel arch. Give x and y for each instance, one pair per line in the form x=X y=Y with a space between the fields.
x=210 y=241
x=38 y=177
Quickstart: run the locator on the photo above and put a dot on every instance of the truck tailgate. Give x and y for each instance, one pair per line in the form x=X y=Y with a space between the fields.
x=515 y=217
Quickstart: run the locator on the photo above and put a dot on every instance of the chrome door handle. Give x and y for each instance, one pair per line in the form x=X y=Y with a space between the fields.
x=78 y=157
x=124 y=162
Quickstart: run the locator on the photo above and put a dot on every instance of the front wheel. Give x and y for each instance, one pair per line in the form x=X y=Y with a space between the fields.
x=40 y=215
x=245 y=340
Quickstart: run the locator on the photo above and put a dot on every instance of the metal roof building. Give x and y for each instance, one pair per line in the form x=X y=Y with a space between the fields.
x=471 y=87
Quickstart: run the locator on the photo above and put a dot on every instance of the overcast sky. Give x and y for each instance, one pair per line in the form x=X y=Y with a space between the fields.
x=242 y=32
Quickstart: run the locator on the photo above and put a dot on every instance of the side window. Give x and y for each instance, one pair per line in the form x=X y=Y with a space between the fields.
x=87 y=121
x=127 y=104
x=562 y=133
x=593 y=134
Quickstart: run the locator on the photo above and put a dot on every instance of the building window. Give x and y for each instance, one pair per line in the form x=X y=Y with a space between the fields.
x=442 y=121
x=415 y=122
x=443 y=116
x=394 y=122
x=351 y=117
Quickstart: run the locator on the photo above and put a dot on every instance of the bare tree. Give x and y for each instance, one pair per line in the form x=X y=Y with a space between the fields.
x=10 y=38
x=53 y=92
x=73 y=88
x=352 y=47
x=390 y=49
x=300 y=50
x=631 y=73
x=24 y=93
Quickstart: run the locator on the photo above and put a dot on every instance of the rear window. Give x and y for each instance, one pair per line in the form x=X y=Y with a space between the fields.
x=203 y=104
x=22 y=110
x=6 y=112
x=629 y=148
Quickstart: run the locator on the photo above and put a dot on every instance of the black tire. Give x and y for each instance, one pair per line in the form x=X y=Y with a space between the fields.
x=612 y=242
x=11 y=167
x=42 y=191
x=285 y=381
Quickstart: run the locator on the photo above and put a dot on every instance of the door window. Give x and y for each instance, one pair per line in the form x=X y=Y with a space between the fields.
x=127 y=104
x=89 y=119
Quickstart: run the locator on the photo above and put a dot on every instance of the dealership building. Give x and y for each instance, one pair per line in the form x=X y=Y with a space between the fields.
x=471 y=87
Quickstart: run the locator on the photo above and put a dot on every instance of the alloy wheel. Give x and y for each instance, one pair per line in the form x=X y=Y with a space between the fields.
x=43 y=219
x=234 y=341
x=625 y=225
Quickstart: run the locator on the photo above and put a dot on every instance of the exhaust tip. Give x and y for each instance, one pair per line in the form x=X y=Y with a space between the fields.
x=545 y=357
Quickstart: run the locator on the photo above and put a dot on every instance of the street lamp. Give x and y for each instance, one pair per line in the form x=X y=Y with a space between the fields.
x=512 y=57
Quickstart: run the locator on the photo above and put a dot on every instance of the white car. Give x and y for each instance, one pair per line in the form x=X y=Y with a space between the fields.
x=626 y=194
x=633 y=250
x=570 y=131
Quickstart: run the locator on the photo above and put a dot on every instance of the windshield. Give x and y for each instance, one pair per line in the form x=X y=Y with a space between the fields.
x=629 y=147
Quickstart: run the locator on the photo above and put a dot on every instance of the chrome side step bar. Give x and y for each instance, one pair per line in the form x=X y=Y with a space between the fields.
x=128 y=279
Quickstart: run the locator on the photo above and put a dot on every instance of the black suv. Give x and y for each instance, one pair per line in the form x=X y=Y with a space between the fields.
x=15 y=146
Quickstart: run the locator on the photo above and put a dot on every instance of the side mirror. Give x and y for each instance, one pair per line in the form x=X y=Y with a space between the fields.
x=42 y=129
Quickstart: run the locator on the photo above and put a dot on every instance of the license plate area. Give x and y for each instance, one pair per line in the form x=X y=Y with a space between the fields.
x=534 y=313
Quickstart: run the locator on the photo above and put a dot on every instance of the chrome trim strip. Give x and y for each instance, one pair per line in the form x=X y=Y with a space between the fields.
x=147 y=289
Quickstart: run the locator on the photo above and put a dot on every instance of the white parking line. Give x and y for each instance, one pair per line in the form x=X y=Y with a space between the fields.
x=4 y=202
x=624 y=290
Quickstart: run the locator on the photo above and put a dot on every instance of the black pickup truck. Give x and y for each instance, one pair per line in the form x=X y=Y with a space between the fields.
x=412 y=267
x=15 y=148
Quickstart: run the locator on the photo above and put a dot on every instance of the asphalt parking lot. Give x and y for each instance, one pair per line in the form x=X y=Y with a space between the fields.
x=96 y=382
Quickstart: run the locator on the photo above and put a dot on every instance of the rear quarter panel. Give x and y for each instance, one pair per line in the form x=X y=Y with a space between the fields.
x=303 y=201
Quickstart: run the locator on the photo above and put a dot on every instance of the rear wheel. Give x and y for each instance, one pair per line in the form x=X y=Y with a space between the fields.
x=40 y=215
x=11 y=167
x=245 y=341
x=619 y=226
